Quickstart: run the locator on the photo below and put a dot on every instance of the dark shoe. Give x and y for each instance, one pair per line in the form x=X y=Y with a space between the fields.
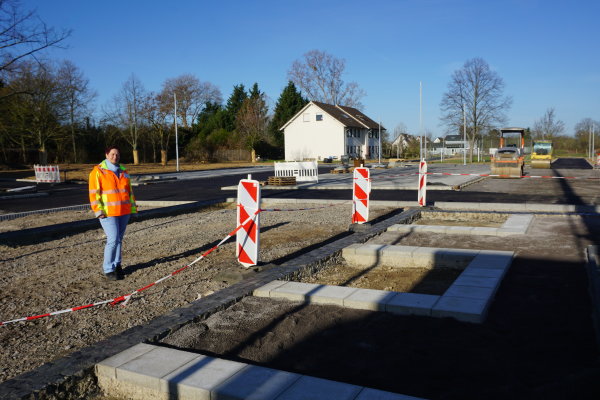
x=112 y=276
x=119 y=272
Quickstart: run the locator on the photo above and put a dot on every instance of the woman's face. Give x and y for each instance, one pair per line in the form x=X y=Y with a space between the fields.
x=113 y=156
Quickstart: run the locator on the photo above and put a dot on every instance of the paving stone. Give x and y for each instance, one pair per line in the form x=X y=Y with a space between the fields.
x=199 y=378
x=411 y=304
x=459 y=230
x=328 y=294
x=454 y=258
x=310 y=388
x=482 y=272
x=368 y=249
x=484 y=230
x=369 y=299
x=351 y=249
x=397 y=256
x=481 y=281
x=492 y=261
x=436 y=228
x=255 y=383
x=374 y=394
x=501 y=207
x=425 y=257
x=470 y=292
x=265 y=291
x=467 y=310
x=108 y=367
x=147 y=369
x=297 y=291
x=509 y=232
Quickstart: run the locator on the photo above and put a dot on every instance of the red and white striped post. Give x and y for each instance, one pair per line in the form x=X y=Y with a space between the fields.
x=361 y=189
x=248 y=203
x=422 y=191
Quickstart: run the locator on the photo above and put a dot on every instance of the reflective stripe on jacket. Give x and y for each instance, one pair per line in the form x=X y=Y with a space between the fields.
x=111 y=195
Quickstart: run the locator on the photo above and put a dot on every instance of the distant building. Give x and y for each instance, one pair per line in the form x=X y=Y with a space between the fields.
x=321 y=130
x=450 y=145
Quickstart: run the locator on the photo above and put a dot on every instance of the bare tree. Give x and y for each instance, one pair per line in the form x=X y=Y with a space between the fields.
x=192 y=96
x=157 y=111
x=548 y=126
x=319 y=75
x=126 y=113
x=477 y=91
x=587 y=134
x=23 y=33
x=77 y=96
x=252 y=121
x=39 y=107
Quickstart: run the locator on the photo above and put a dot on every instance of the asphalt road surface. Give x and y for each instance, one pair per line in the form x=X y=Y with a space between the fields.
x=207 y=186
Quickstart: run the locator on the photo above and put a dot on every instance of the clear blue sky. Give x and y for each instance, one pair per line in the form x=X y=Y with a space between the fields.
x=546 y=51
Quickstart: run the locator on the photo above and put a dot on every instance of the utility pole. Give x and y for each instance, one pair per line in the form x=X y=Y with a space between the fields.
x=464 y=135
x=421 y=120
x=176 y=139
x=379 y=136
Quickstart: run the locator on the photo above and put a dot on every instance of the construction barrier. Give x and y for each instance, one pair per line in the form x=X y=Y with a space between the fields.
x=305 y=171
x=361 y=189
x=422 y=191
x=248 y=203
x=46 y=173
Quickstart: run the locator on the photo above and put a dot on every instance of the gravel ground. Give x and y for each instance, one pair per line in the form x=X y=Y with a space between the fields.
x=65 y=272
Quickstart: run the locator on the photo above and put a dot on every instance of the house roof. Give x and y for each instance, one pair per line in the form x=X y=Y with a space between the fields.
x=348 y=116
x=454 y=138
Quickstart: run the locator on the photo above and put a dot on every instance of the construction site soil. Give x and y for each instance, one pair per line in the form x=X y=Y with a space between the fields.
x=537 y=342
x=65 y=272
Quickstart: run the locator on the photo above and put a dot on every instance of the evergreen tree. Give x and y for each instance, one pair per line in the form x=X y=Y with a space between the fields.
x=234 y=103
x=289 y=103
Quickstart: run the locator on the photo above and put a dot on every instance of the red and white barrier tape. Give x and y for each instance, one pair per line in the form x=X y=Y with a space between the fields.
x=127 y=297
x=305 y=209
x=498 y=175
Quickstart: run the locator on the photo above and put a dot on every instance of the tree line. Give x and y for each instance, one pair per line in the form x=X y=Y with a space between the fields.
x=48 y=111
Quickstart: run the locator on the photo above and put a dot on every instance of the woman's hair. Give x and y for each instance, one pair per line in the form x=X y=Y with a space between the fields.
x=109 y=148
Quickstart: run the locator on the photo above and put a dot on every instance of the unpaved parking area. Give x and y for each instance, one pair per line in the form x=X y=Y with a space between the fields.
x=66 y=272
x=537 y=342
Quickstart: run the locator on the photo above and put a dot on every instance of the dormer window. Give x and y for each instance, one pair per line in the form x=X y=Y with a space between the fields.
x=319 y=117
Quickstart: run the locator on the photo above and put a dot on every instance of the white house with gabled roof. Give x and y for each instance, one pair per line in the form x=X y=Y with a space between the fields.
x=321 y=130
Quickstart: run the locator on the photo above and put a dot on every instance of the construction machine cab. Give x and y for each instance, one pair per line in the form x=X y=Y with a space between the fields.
x=509 y=159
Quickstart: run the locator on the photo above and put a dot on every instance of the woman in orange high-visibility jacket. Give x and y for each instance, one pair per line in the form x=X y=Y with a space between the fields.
x=113 y=202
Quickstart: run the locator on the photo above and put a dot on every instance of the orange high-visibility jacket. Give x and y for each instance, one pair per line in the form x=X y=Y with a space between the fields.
x=110 y=195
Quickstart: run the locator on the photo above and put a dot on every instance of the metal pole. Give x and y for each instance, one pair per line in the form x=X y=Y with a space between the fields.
x=464 y=136
x=421 y=120
x=379 y=136
x=593 y=142
x=176 y=138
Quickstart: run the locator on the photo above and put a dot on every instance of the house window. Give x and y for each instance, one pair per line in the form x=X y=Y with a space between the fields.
x=319 y=117
x=348 y=133
x=306 y=117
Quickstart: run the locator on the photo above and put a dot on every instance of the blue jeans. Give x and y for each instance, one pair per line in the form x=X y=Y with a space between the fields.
x=114 y=228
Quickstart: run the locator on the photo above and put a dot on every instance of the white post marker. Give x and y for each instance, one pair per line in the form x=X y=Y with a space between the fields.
x=422 y=183
x=361 y=189
x=248 y=203
x=46 y=173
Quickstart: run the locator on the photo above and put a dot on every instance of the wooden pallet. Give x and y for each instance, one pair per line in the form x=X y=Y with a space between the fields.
x=340 y=171
x=281 y=180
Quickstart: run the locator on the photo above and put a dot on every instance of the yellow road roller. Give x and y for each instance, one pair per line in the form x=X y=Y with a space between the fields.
x=509 y=159
x=541 y=154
